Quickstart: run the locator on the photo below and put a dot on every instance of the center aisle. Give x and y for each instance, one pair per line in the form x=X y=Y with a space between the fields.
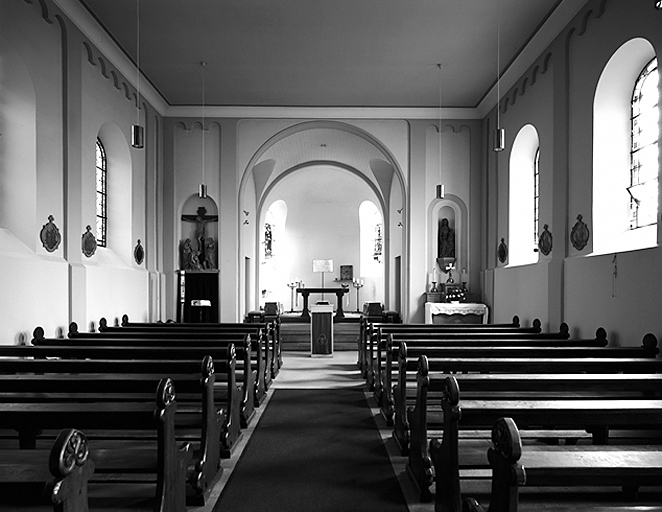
x=314 y=450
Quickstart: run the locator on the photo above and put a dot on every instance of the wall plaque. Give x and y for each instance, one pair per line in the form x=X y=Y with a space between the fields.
x=50 y=235
x=545 y=241
x=139 y=253
x=580 y=234
x=88 y=242
x=502 y=251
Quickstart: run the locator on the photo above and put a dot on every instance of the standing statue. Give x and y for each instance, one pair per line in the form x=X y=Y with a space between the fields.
x=446 y=241
x=210 y=254
x=186 y=253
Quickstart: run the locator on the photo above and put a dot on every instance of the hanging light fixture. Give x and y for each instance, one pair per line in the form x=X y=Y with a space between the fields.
x=137 y=131
x=202 y=188
x=441 y=192
x=499 y=142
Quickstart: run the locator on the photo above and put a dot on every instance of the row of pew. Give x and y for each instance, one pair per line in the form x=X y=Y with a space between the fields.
x=516 y=405
x=159 y=405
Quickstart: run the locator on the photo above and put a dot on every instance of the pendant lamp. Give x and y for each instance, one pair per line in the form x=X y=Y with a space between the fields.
x=499 y=138
x=137 y=131
x=202 y=188
x=440 y=191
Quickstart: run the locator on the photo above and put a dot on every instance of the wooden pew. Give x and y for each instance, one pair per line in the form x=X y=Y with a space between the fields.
x=227 y=395
x=259 y=358
x=450 y=334
x=106 y=347
x=163 y=462
x=548 y=414
x=486 y=347
x=373 y=336
x=368 y=333
x=451 y=359
x=385 y=367
x=515 y=466
x=270 y=329
x=198 y=419
x=64 y=470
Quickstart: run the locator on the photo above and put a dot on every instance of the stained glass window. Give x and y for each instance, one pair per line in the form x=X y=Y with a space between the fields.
x=536 y=198
x=643 y=187
x=102 y=195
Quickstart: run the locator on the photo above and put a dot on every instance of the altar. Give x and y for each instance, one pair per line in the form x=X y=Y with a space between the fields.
x=305 y=293
x=455 y=313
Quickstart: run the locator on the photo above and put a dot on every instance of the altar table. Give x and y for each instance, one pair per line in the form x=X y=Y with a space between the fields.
x=305 y=293
x=455 y=313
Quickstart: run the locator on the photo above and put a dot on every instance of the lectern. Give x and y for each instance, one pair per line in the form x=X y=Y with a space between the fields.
x=321 y=330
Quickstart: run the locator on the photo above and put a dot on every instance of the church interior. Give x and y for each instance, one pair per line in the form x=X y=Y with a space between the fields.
x=248 y=162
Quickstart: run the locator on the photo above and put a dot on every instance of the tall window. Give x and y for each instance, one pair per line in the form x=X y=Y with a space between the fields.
x=523 y=199
x=102 y=196
x=643 y=187
x=536 y=197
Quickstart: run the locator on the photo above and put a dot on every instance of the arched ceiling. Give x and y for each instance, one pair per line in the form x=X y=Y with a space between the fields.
x=326 y=146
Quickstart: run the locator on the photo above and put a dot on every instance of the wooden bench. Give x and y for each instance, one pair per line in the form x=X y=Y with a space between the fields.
x=148 y=347
x=367 y=334
x=226 y=396
x=484 y=347
x=492 y=360
x=373 y=336
x=63 y=471
x=440 y=334
x=198 y=420
x=164 y=462
x=385 y=368
x=270 y=329
x=256 y=357
x=547 y=415
x=515 y=466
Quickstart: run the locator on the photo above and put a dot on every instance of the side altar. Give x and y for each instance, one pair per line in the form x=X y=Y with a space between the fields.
x=198 y=283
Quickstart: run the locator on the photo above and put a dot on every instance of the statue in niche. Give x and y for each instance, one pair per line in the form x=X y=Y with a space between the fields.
x=446 y=240
x=210 y=254
x=186 y=251
x=194 y=263
x=201 y=219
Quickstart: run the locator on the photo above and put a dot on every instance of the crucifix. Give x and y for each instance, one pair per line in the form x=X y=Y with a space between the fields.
x=201 y=219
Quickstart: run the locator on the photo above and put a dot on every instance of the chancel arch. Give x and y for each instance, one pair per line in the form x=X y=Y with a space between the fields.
x=309 y=146
x=314 y=212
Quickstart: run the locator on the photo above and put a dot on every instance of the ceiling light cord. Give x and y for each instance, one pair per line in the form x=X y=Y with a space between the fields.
x=138 y=61
x=203 y=191
x=499 y=140
x=440 y=186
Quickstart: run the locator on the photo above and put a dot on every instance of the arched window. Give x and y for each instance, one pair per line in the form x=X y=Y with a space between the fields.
x=102 y=194
x=644 y=151
x=536 y=197
x=625 y=152
x=524 y=195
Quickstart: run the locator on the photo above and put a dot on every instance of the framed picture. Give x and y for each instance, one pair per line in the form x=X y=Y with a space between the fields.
x=346 y=272
x=322 y=265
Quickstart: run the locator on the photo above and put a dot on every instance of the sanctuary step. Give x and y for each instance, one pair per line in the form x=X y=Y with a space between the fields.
x=296 y=336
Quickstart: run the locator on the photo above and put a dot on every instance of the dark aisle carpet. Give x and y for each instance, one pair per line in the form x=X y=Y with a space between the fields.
x=314 y=450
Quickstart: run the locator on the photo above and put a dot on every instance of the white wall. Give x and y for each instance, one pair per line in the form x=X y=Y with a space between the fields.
x=557 y=97
x=48 y=169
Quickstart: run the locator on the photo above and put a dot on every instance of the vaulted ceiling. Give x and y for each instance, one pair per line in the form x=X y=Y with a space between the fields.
x=337 y=53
